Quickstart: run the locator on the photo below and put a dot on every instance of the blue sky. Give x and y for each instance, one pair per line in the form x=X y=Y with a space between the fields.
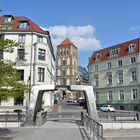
x=90 y=24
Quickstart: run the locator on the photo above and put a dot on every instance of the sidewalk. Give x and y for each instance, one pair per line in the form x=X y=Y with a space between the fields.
x=52 y=130
x=54 y=109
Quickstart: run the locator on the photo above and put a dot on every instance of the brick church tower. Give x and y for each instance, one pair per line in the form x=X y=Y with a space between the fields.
x=66 y=63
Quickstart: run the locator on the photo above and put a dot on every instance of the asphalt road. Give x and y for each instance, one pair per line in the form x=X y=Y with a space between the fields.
x=67 y=110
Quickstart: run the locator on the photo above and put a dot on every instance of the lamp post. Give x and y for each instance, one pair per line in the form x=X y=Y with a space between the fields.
x=29 y=86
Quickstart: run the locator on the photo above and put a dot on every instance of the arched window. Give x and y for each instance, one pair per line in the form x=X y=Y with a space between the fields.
x=68 y=71
x=58 y=72
x=68 y=81
x=68 y=61
x=59 y=62
x=64 y=62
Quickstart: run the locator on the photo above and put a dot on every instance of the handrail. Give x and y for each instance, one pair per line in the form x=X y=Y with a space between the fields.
x=95 y=128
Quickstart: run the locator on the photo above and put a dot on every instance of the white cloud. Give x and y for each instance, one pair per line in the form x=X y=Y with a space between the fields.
x=135 y=29
x=82 y=36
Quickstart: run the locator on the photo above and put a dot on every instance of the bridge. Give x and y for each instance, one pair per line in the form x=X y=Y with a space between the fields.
x=64 y=121
x=65 y=127
x=38 y=91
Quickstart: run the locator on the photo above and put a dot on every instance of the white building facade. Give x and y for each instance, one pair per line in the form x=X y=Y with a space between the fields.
x=114 y=73
x=35 y=61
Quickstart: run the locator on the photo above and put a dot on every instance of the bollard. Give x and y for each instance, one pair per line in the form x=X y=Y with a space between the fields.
x=82 y=118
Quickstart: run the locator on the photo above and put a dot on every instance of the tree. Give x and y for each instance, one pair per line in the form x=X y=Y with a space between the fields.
x=9 y=82
x=10 y=85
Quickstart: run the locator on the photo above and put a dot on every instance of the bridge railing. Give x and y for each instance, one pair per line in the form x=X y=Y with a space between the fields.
x=12 y=116
x=94 y=128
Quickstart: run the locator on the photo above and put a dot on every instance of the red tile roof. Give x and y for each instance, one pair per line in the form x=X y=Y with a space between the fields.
x=15 y=25
x=65 y=42
x=123 y=51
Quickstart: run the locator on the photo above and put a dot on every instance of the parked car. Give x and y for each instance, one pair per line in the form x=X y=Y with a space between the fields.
x=70 y=100
x=107 y=108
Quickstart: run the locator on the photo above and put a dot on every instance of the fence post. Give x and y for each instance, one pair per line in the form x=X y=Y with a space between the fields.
x=82 y=118
x=6 y=118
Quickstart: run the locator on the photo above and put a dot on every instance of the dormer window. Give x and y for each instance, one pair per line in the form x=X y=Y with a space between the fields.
x=113 y=51
x=8 y=18
x=98 y=56
x=23 y=25
x=132 y=47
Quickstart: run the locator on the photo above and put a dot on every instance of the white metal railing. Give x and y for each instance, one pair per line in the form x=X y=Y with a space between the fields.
x=94 y=128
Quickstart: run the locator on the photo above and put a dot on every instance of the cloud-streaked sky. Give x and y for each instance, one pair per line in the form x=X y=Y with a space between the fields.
x=82 y=36
x=90 y=24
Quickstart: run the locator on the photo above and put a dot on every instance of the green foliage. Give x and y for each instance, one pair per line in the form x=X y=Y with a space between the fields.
x=7 y=45
x=9 y=82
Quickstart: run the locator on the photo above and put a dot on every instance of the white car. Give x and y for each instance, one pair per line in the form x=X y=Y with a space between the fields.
x=70 y=100
x=107 y=108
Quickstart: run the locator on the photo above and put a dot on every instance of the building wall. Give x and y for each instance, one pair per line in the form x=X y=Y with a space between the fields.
x=102 y=88
x=32 y=62
x=69 y=69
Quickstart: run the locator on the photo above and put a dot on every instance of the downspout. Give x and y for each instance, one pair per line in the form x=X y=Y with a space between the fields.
x=30 y=75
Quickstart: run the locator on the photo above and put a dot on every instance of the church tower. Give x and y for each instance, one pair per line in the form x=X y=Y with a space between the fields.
x=66 y=63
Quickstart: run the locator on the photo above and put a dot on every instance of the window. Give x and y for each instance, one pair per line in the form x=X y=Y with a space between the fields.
x=68 y=61
x=97 y=96
x=132 y=47
x=133 y=76
x=63 y=72
x=20 y=54
x=96 y=68
x=58 y=72
x=64 y=51
x=120 y=77
x=39 y=39
x=109 y=65
x=113 y=52
x=68 y=71
x=133 y=60
x=23 y=25
x=64 y=62
x=63 y=81
x=41 y=74
x=68 y=81
x=121 y=95
x=110 y=96
x=109 y=78
x=1 y=55
x=98 y=56
x=21 y=73
x=96 y=80
x=41 y=54
x=119 y=63
x=67 y=51
x=59 y=62
x=21 y=38
x=134 y=94
x=7 y=18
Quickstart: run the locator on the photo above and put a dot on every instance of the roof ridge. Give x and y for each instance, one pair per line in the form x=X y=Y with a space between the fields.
x=66 y=41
